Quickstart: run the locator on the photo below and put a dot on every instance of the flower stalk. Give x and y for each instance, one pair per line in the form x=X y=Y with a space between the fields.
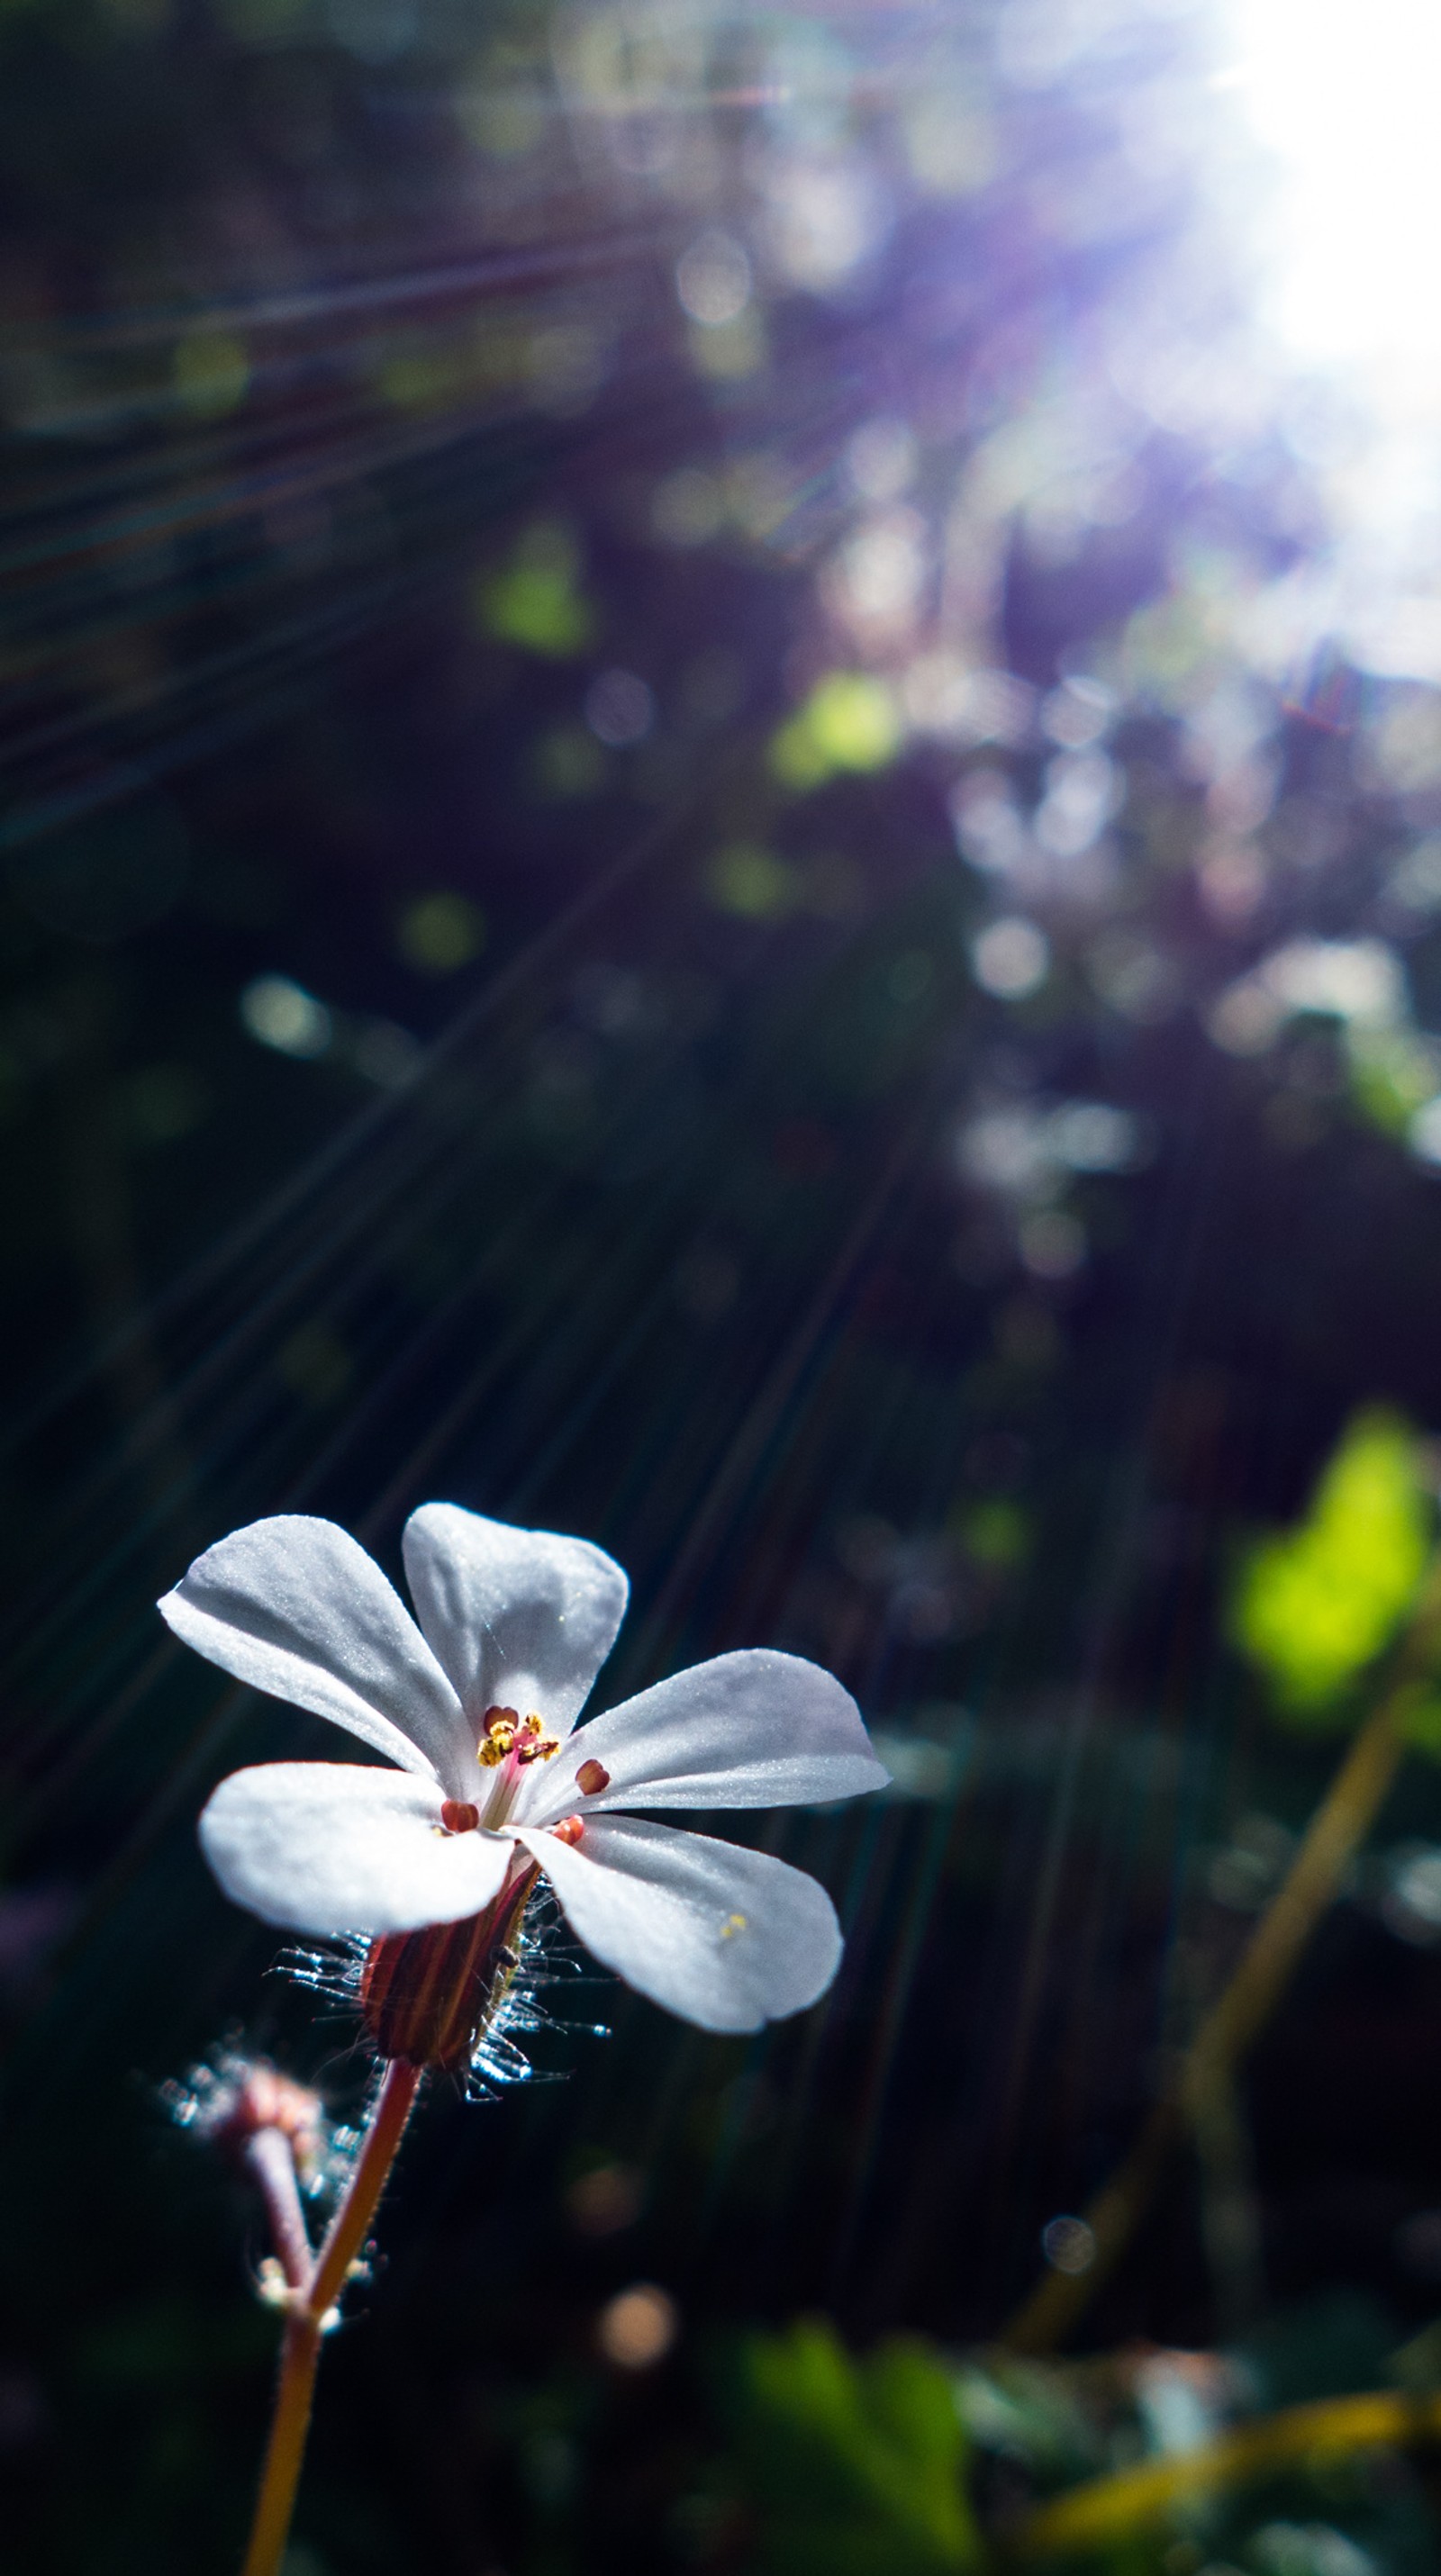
x=309 y=2311
x=1331 y=1840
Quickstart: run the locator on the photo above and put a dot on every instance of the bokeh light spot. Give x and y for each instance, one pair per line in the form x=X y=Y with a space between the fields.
x=440 y=932
x=849 y=722
x=1068 y=2245
x=752 y=882
x=536 y=601
x=281 y=1014
x=605 y=2200
x=1011 y=958
x=637 y=2328
x=211 y=372
x=713 y=279
x=619 y=708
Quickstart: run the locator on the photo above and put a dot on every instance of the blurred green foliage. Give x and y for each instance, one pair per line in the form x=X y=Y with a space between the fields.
x=856 y=2467
x=1314 y=1604
x=1392 y=1075
x=536 y=601
x=848 y=722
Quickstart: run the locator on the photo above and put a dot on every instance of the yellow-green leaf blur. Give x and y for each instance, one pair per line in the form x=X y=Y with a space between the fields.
x=1316 y=1603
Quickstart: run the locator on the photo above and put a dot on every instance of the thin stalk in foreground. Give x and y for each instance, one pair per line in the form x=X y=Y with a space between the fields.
x=305 y=2320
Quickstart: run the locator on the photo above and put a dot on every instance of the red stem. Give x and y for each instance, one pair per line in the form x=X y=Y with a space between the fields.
x=305 y=2324
x=272 y=2165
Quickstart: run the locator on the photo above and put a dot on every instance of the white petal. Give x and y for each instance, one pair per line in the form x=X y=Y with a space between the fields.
x=519 y=1618
x=296 y=1608
x=329 y=1847
x=726 y=1938
x=754 y=1729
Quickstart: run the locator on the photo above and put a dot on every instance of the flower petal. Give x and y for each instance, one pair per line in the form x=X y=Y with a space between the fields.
x=330 y=1847
x=519 y=1618
x=754 y=1729
x=295 y=1607
x=726 y=1938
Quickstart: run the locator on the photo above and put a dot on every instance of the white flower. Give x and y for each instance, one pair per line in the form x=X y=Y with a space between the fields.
x=476 y=1706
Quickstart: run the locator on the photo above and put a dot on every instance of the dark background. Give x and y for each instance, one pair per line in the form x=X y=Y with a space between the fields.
x=619 y=1184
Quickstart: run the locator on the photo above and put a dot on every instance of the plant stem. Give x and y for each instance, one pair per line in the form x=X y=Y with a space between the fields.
x=271 y=2160
x=1339 y=1825
x=1107 y=2511
x=305 y=2324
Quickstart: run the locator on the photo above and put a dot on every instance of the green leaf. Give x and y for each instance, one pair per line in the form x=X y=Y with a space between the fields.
x=849 y=722
x=1393 y=1073
x=537 y=602
x=1314 y=1605
x=856 y=2467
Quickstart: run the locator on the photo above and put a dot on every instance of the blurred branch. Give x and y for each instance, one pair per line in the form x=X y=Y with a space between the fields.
x=1107 y=2510
x=271 y=2160
x=1337 y=1829
x=1230 y=2211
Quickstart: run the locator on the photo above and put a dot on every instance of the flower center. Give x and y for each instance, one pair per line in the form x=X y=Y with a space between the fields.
x=507 y=1745
x=509 y=1738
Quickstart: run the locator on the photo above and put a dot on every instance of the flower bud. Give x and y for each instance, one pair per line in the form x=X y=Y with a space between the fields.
x=231 y=2102
x=426 y=1996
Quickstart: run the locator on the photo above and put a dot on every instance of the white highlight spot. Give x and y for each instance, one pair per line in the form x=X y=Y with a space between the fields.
x=283 y=1015
x=713 y=279
x=1346 y=99
x=1011 y=958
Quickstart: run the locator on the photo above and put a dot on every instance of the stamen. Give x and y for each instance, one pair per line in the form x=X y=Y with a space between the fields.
x=591 y=1778
x=501 y=1726
x=570 y=1830
x=459 y=1817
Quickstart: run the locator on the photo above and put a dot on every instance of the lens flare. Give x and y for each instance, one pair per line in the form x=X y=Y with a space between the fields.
x=1346 y=101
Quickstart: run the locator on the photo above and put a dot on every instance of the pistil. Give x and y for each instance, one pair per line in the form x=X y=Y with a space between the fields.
x=509 y=1743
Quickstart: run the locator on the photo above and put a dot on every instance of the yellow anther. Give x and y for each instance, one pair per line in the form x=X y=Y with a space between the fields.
x=499 y=1736
x=506 y=1733
x=733 y=1924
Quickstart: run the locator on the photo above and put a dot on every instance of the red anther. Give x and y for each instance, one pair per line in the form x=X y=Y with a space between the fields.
x=592 y=1777
x=569 y=1830
x=500 y=1717
x=459 y=1817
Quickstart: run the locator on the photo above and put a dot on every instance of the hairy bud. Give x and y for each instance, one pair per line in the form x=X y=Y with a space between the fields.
x=426 y=1996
